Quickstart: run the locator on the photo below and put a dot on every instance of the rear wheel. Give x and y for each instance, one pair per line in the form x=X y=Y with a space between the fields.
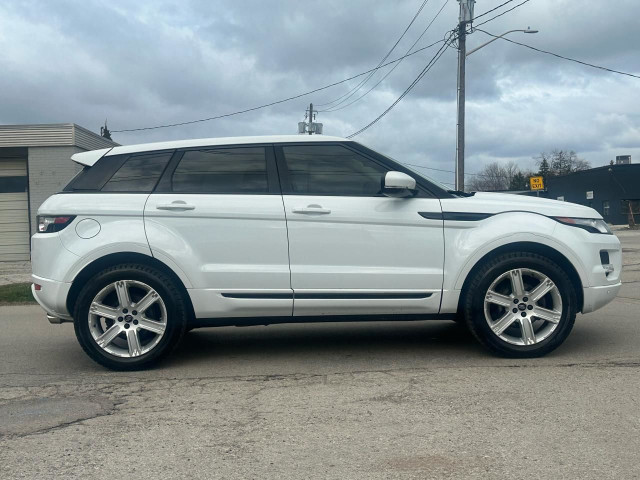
x=520 y=305
x=129 y=316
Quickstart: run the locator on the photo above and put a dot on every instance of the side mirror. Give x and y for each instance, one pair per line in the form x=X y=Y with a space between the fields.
x=398 y=184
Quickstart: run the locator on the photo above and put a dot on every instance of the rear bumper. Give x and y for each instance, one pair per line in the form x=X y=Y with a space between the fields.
x=598 y=297
x=52 y=297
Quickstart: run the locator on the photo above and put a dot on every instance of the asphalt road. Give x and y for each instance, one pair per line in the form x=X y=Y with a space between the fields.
x=344 y=401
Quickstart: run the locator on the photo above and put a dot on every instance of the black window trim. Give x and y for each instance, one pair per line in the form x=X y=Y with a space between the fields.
x=273 y=183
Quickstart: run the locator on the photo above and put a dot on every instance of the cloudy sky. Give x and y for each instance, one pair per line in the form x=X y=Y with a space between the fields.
x=150 y=62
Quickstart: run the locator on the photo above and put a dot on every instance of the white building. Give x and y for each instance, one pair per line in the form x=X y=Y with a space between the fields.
x=34 y=164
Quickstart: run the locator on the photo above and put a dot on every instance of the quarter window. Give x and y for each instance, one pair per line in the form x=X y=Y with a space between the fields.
x=332 y=170
x=139 y=173
x=230 y=170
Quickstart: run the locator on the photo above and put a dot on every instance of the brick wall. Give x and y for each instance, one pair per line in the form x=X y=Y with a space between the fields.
x=50 y=169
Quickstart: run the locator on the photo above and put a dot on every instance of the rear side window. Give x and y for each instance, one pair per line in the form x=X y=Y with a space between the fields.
x=91 y=179
x=332 y=170
x=138 y=173
x=225 y=170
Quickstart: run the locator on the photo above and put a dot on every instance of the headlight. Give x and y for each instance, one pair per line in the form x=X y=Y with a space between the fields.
x=592 y=225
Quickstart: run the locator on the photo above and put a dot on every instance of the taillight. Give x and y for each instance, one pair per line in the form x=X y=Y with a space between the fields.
x=49 y=224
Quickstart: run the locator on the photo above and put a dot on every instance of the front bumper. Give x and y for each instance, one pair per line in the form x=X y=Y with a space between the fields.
x=52 y=297
x=597 y=297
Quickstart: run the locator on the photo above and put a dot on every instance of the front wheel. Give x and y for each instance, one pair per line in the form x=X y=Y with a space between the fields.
x=520 y=304
x=129 y=316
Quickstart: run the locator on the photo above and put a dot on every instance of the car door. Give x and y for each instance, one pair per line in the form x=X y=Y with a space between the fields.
x=217 y=215
x=353 y=250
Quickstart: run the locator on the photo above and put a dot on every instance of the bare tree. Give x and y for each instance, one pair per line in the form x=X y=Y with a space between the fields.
x=560 y=162
x=500 y=177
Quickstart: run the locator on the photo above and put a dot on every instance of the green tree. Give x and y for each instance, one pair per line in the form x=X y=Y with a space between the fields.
x=518 y=182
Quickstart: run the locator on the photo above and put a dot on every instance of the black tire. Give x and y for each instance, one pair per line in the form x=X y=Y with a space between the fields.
x=170 y=294
x=474 y=297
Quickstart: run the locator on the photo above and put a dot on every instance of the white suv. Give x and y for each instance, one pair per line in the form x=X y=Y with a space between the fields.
x=149 y=241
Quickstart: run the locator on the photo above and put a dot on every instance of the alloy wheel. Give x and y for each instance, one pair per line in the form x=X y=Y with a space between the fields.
x=127 y=318
x=523 y=306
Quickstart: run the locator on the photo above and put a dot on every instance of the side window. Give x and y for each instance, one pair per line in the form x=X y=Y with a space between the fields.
x=224 y=170
x=138 y=173
x=332 y=170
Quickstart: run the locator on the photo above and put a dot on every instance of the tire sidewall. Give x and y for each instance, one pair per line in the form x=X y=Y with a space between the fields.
x=155 y=279
x=533 y=262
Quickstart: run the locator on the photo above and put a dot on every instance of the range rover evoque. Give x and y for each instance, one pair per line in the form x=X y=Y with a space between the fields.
x=149 y=241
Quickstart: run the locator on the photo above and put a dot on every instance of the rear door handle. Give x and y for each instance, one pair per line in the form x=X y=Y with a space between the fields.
x=178 y=205
x=311 y=209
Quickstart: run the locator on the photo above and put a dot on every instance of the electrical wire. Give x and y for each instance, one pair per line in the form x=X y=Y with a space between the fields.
x=336 y=107
x=452 y=171
x=493 y=9
x=351 y=92
x=252 y=109
x=561 y=56
x=500 y=14
x=426 y=69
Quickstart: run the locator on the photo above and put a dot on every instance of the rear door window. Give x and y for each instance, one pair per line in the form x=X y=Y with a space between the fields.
x=223 y=170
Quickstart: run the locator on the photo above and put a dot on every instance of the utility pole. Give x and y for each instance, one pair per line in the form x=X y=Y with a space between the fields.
x=310 y=127
x=466 y=16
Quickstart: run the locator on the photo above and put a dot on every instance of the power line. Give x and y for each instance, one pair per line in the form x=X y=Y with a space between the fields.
x=357 y=87
x=271 y=103
x=500 y=14
x=336 y=107
x=426 y=69
x=452 y=171
x=493 y=9
x=562 y=56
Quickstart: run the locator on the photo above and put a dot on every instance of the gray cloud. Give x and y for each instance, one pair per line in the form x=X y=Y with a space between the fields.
x=152 y=62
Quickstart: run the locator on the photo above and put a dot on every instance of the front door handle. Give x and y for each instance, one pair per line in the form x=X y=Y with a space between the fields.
x=311 y=209
x=178 y=205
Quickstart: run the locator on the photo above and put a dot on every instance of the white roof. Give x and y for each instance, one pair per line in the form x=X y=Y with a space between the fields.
x=91 y=157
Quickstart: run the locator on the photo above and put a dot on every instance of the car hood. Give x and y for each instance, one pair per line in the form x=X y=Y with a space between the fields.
x=485 y=202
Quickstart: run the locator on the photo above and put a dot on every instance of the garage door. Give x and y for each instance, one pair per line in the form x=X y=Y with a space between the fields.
x=14 y=210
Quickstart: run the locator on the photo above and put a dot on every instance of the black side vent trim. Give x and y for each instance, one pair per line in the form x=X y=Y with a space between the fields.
x=465 y=216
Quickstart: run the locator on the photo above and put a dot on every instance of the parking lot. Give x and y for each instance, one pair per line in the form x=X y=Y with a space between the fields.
x=365 y=400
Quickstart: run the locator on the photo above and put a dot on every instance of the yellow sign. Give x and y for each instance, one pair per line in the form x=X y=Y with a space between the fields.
x=536 y=183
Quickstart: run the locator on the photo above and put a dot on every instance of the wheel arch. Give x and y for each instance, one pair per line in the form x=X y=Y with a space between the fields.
x=111 y=259
x=530 y=247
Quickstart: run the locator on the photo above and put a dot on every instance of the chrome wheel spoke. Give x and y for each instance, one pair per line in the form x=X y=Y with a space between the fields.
x=541 y=290
x=552 y=316
x=528 y=335
x=151 y=325
x=149 y=299
x=499 y=299
x=107 y=337
x=533 y=308
x=517 y=284
x=133 y=341
x=503 y=323
x=142 y=332
x=122 y=290
x=101 y=310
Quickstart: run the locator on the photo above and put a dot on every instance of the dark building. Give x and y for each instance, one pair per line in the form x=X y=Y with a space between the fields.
x=610 y=190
